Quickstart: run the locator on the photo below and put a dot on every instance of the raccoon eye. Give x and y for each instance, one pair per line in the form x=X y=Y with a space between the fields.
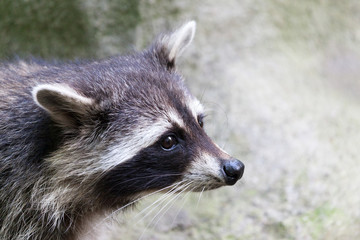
x=201 y=121
x=169 y=142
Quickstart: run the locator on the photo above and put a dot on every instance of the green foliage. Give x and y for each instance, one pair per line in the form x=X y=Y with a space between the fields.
x=44 y=28
x=114 y=23
x=66 y=29
x=319 y=219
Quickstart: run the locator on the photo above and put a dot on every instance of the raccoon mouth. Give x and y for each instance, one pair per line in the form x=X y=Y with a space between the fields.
x=207 y=187
x=192 y=185
x=204 y=183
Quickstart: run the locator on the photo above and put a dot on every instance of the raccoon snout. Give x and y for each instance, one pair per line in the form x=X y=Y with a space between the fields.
x=233 y=170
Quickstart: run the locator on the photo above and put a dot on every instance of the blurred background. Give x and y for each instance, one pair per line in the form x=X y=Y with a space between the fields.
x=281 y=84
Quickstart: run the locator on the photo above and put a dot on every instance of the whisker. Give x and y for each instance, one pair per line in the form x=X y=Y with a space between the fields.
x=185 y=198
x=179 y=210
x=147 y=226
x=147 y=195
x=157 y=205
x=173 y=202
x=153 y=178
x=197 y=205
x=159 y=201
x=130 y=203
x=177 y=195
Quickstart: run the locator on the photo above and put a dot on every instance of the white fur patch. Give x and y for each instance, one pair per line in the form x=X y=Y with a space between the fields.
x=179 y=40
x=58 y=100
x=203 y=166
x=175 y=118
x=60 y=89
x=196 y=107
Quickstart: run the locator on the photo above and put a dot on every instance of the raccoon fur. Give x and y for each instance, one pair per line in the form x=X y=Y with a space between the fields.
x=78 y=139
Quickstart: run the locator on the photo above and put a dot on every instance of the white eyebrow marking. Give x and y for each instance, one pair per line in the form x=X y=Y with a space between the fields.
x=175 y=118
x=196 y=107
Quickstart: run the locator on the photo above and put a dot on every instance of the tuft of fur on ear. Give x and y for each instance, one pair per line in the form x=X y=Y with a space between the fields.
x=66 y=106
x=175 y=43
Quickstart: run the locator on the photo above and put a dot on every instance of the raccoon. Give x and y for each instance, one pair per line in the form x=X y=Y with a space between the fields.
x=82 y=138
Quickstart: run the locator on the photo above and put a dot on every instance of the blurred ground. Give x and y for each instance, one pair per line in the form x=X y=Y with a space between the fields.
x=280 y=80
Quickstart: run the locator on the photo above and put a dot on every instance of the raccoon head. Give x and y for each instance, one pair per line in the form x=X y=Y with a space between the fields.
x=134 y=126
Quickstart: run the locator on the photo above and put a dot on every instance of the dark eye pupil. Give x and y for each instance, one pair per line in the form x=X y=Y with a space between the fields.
x=168 y=142
x=201 y=123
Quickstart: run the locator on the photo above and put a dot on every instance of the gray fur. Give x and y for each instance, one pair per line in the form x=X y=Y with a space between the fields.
x=65 y=126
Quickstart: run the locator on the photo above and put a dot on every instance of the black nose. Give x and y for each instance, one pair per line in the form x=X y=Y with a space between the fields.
x=233 y=170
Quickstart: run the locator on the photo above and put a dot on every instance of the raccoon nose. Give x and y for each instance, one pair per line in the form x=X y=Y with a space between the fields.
x=233 y=170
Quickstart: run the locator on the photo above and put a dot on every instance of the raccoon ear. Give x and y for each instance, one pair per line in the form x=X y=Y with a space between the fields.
x=64 y=104
x=174 y=44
